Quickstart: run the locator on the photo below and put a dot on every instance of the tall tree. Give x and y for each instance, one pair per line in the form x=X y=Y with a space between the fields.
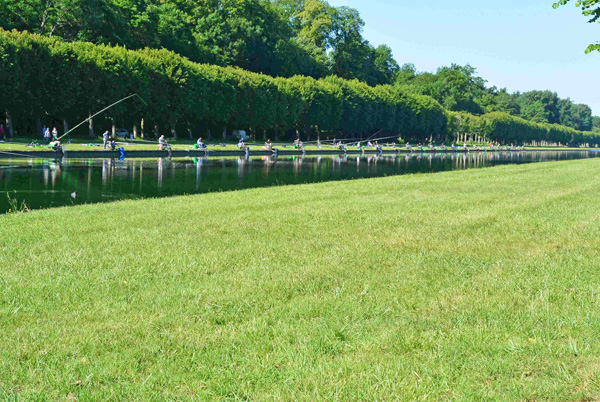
x=596 y=123
x=243 y=33
x=385 y=64
x=455 y=87
x=540 y=106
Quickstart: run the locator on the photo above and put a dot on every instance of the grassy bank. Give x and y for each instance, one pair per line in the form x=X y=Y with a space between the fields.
x=184 y=145
x=461 y=285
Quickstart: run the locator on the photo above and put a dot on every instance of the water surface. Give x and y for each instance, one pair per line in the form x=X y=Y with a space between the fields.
x=50 y=183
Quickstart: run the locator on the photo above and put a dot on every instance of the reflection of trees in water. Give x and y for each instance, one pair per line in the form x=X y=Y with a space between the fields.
x=110 y=179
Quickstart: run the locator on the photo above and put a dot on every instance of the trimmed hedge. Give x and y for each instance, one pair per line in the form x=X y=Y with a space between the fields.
x=506 y=129
x=45 y=78
x=42 y=77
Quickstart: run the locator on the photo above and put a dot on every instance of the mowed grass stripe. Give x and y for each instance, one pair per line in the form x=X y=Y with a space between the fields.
x=477 y=284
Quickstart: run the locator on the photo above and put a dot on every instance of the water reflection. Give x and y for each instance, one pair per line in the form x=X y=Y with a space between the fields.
x=44 y=183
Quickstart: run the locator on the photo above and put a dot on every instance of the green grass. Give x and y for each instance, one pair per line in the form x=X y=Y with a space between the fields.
x=79 y=144
x=466 y=285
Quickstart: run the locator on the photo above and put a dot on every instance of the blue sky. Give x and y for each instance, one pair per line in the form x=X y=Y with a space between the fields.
x=521 y=45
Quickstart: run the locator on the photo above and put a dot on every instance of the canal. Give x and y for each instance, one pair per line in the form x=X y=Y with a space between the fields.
x=50 y=183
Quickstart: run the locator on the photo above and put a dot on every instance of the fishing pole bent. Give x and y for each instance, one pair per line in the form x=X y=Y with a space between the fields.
x=103 y=110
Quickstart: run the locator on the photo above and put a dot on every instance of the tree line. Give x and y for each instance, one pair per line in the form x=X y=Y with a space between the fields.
x=281 y=38
x=275 y=37
x=46 y=79
x=458 y=88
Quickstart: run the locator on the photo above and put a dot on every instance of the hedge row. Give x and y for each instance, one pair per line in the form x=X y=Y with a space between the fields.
x=43 y=77
x=506 y=129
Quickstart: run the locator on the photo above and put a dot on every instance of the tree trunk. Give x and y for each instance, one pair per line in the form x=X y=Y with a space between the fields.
x=208 y=136
x=38 y=125
x=225 y=132
x=91 y=127
x=276 y=135
x=156 y=131
x=135 y=131
x=265 y=135
x=142 y=128
x=190 y=132
x=173 y=131
x=114 y=127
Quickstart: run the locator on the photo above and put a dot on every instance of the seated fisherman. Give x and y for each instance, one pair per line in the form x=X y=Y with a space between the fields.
x=162 y=143
x=241 y=144
x=268 y=145
x=200 y=143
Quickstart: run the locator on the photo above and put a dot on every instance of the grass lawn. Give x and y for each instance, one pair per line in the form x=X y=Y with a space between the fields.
x=465 y=285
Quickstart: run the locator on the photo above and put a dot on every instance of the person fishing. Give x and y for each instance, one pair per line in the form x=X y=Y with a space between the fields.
x=268 y=145
x=105 y=138
x=162 y=143
x=200 y=143
x=241 y=144
x=47 y=135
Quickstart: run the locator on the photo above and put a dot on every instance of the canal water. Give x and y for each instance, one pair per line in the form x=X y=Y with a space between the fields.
x=49 y=183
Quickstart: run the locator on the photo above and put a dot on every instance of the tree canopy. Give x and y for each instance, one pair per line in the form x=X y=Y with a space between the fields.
x=281 y=38
x=275 y=37
x=459 y=89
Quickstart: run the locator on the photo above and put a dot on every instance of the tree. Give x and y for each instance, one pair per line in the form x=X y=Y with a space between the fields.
x=576 y=116
x=540 y=106
x=316 y=23
x=494 y=100
x=243 y=33
x=385 y=64
x=302 y=57
x=596 y=123
x=405 y=74
x=455 y=87
x=590 y=8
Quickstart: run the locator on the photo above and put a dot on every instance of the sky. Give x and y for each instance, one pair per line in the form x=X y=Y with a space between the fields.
x=521 y=45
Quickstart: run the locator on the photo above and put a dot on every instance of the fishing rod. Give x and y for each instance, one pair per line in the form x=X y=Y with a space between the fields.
x=15 y=154
x=103 y=110
x=374 y=134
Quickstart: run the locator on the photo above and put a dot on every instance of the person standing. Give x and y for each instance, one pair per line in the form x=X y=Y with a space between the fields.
x=1 y=132
x=47 y=135
x=105 y=139
x=54 y=134
x=44 y=132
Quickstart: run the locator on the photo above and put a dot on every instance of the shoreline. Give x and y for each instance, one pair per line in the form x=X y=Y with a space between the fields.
x=222 y=153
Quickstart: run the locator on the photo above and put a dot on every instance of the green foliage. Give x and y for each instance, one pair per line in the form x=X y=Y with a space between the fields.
x=458 y=89
x=504 y=128
x=455 y=88
x=46 y=77
x=278 y=38
x=540 y=106
x=591 y=9
x=596 y=123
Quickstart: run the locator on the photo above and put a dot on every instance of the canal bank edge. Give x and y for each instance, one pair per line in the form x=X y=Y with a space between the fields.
x=199 y=153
